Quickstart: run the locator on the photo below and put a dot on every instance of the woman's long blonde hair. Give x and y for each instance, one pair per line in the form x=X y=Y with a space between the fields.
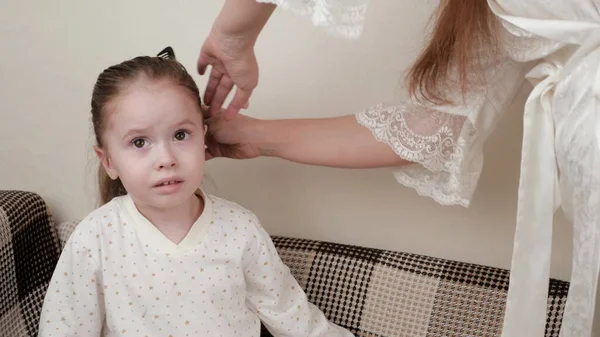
x=463 y=33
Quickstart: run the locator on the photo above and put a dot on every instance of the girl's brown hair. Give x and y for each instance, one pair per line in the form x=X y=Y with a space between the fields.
x=464 y=33
x=112 y=82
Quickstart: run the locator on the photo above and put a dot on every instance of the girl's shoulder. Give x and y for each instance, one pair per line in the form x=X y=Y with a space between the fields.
x=226 y=212
x=88 y=230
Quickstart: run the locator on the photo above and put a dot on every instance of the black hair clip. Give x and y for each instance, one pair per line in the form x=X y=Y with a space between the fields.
x=167 y=53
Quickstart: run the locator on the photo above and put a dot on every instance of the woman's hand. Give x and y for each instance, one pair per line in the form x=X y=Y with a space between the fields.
x=231 y=139
x=229 y=49
x=233 y=63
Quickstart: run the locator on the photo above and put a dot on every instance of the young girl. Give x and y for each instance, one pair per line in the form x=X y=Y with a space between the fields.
x=160 y=257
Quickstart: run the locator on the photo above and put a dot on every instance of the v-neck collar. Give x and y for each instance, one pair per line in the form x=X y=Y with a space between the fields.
x=150 y=235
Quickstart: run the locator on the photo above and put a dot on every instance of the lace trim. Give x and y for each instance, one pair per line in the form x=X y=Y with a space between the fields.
x=438 y=142
x=342 y=18
x=434 y=185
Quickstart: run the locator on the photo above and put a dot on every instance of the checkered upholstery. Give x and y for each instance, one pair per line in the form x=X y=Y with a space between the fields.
x=29 y=250
x=373 y=293
x=378 y=293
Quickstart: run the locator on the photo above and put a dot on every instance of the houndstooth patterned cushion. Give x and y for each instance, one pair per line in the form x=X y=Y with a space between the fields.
x=381 y=293
x=29 y=251
x=64 y=231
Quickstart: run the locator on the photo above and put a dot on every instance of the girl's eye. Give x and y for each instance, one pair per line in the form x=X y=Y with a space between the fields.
x=181 y=135
x=139 y=143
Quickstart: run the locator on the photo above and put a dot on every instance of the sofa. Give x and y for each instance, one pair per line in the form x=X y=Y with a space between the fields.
x=371 y=292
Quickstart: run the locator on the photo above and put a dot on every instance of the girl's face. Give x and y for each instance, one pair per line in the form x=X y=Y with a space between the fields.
x=154 y=142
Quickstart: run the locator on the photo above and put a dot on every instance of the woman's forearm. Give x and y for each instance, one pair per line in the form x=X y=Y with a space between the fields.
x=242 y=19
x=335 y=142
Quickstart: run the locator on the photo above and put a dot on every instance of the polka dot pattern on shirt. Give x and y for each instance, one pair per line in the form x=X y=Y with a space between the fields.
x=124 y=278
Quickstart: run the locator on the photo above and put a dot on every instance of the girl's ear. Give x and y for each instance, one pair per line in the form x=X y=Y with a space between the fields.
x=106 y=163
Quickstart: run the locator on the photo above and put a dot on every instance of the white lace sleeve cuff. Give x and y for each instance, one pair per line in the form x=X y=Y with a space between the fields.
x=343 y=18
x=444 y=147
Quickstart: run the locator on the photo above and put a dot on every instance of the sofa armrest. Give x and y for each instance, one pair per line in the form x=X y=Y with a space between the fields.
x=29 y=251
x=64 y=231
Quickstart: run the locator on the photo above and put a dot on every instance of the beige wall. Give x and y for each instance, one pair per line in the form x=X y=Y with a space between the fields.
x=52 y=52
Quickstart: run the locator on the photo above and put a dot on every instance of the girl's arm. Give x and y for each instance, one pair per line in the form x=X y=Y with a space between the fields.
x=277 y=298
x=74 y=304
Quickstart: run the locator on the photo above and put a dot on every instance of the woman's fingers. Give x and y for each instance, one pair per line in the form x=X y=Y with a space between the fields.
x=221 y=92
x=213 y=83
x=240 y=101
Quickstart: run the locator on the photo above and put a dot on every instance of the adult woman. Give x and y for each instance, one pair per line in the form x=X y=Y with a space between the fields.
x=468 y=73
